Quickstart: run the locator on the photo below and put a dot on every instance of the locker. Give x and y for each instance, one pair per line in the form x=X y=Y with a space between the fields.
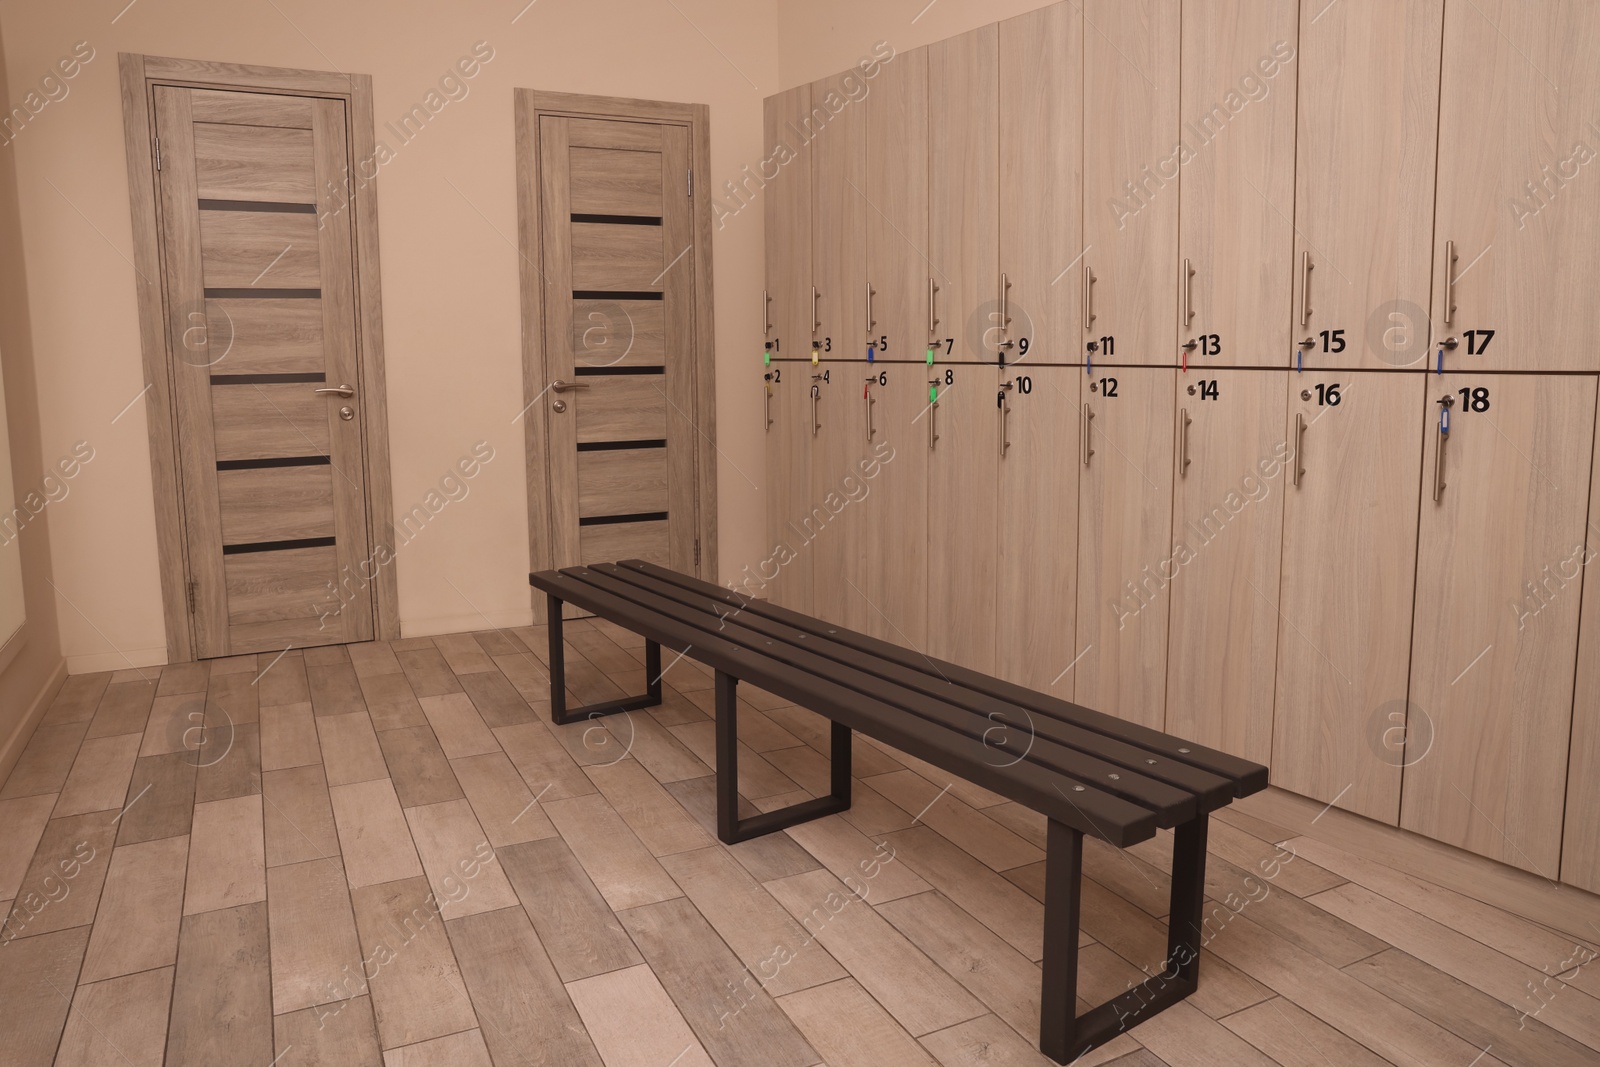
x=896 y=511
x=963 y=193
x=1227 y=538
x=963 y=495
x=1037 y=541
x=1126 y=265
x=1495 y=641
x=1125 y=536
x=1517 y=223
x=785 y=574
x=1236 y=234
x=1041 y=184
x=1349 y=561
x=838 y=222
x=834 y=523
x=1580 y=854
x=1363 y=206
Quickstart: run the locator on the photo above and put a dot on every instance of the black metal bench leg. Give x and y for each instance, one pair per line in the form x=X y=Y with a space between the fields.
x=730 y=828
x=1063 y=1034
x=560 y=714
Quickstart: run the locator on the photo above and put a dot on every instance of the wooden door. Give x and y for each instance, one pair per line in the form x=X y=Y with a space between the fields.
x=1363 y=206
x=1517 y=222
x=1349 y=562
x=1124 y=539
x=1237 y=191
x=1495 y=642
x=786 y=571
x=1227 y=537
x=1036 y=595
x=834 y=520
x=963 y=498
x=260 y=293
x=618 y=254
x=895 y=523
x=1580 y=853
x=963 y=192
x=1130 y=182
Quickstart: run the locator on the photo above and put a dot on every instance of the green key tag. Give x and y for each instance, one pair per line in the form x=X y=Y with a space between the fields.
x=766 y=357
x=933 y=394
x=930 y=355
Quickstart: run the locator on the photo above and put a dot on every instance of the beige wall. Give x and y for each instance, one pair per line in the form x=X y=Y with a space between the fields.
x=449 y=262
x=30 y=677
x=816 y=39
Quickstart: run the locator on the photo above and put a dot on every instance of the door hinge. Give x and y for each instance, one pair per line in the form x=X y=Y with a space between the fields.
x=158 y=153
x=697 y=551
x=691 y=181
x=191 y=595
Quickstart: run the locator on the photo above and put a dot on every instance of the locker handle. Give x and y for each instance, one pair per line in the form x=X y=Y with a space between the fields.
x=1299 y=445
x=871 y=322
x=816 y=323
x=816 y=395
x=1188 y=293
x=1305 y=288
x=933 y=413
x=1183 y=442
x=1005 y=414
x=866 y=394
x=1005 y=303
x=1088 y=297
x=1450 y=258
x=1438 y=453
x=766 y=313
x=767 y=403
x=933 y=317
x=1083 y=420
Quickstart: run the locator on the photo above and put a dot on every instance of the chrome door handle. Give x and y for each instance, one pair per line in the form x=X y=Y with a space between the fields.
x=559 y=386
x=1088 y=414
x=1438 y=453
x=1305 y=288
x=1188 y=293
x=1088 y=297
x=337 y=390
x=1450 y=258
x=1183 y=442
x=816 y=395
x=1299 y=445
x=767 y=403
x=933 y=317
x=871 y=322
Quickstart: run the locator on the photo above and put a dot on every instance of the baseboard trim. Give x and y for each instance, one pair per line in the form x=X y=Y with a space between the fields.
x=95 y=662
x=11 y=750
x=457 y=624
x=1563 y=907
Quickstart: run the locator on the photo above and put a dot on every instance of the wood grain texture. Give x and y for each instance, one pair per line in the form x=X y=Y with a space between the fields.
x=373 y=835
x=324 y=1037
x=350 y=749
x=1580 y=853
x=248 y=162
x=227 y=856
x=963 y=483
x=458 y=859
x=633 y=1022
x=122 y=1020
x=222 y=992
x=421 y=773
x=465 y=1049
x=37 y=981
x=100 y=775
x=136 y=925
x=417 y=991
x=316 y=957
x=160 y=798
x=624 y=871
x=297 y=816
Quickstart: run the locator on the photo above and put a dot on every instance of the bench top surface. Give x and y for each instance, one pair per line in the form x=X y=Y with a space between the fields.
x=1104 y=776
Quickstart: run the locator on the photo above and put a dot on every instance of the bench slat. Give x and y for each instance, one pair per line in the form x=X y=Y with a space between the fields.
x=1170 y=804
x=1091 y=811
x=1249 y=777
x=1211 y=790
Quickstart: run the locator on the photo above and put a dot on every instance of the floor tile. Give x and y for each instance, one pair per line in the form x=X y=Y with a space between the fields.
x=141 y=906
x=227 y=857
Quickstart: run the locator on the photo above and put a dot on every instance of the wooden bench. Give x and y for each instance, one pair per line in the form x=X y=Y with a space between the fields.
x=1087 y=772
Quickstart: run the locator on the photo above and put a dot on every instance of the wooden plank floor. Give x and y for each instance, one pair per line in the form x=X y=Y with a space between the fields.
x=385 y=854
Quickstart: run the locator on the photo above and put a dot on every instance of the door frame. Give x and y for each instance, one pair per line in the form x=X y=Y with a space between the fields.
x=138 y=75
x=531 y=105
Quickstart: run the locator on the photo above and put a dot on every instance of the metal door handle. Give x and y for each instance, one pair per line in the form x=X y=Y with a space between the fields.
x=1449 y=282
x=1084 y=419
x=1183 y=442
x=559 y=386
x=816 y=323
x=1438 y=453
x=766 y=313
x=816 y=395
x=1005 y=301
x=337 y=390
x=1088 y=297
x=933 y=318
x=866 y=395
x=1005 y=412
x=1188 y=293
x=1305 y=288
x=1299 y=444
x=933 y=414
x=871 y=322
x=767 y=403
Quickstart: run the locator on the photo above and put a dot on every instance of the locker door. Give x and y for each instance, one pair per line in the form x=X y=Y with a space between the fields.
x=835 y=519
x=787 y=216
x=1517 y=222
x=1369 y=113
x=784 y=576
x=963 y=497
x=896 y=510
x=1038 y=537
x=1349 y=561
x=1041 y=183
x=963 y=191
x=1495 y=643
x=1237 y=192
x=838 y=221
x=1580 y=855
x=1227 y=539
x=1130 y=181
x=1125 y=539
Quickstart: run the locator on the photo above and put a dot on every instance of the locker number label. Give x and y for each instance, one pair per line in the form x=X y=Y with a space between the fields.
x=1332 y=341
x=1106 y=387
x=1210 y=344
x=1478 y=341
x=1474 y=399
x=1205 y=389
